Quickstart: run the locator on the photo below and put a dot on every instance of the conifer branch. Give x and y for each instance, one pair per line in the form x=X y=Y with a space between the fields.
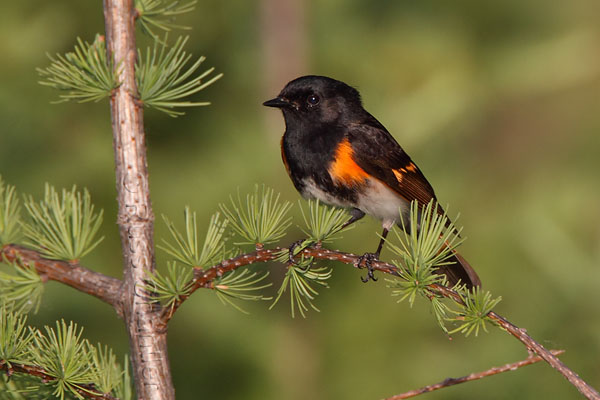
x=203 y=278
x=88 y=391
x=106 y=288
x=472 y=377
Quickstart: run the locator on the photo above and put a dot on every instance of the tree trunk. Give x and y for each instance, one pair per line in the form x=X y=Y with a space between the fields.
x=147 y=338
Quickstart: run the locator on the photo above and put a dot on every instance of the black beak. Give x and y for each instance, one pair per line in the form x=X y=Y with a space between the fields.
x=277 y=102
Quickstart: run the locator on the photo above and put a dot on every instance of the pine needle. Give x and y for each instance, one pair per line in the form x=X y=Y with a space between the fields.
x=63 y=227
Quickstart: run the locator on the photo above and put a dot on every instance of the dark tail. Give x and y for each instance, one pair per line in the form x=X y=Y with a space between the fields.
x=459 y=269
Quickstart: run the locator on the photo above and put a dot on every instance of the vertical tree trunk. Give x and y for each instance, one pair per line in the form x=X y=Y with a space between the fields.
x=147 y=339
x=284 y=47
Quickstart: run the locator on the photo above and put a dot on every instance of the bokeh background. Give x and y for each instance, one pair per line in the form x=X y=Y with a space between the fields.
x=498 y=103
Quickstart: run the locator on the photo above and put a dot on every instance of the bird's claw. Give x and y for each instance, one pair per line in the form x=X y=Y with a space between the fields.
x=292 y=249
x=367 y=259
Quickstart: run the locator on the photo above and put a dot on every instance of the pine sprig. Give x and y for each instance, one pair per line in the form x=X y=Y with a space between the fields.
x=85 y=74
x=163 y=82
x=65 y=356
x=9 y=214
x=158 y=14
x=185 y=247
x=70 y=366
x=63 y=228
x=241 y=286
x=170 y=287
x=301 y=280
x=22 y=387
x=473 y=315
x=425 y=242
x=261 y=219
x=413 y=280
x=323 y=222
x=440 y=311
x=428 y=238
x=124 y=390
x=15 y=338
x=23 y=290
x=107 y=370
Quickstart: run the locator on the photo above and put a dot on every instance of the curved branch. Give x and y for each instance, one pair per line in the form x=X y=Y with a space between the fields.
x=88 y=391
x=106 y=288
x=472 y=377
x=204 y=278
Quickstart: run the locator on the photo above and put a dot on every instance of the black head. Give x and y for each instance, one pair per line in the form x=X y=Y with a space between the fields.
x=318 y=98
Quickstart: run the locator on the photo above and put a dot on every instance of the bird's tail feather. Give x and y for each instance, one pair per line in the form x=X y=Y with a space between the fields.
x=458 y=269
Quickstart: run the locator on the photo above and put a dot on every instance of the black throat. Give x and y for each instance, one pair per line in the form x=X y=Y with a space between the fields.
x=309 y=149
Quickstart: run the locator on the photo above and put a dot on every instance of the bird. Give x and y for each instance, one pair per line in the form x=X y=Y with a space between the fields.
x=337 y=152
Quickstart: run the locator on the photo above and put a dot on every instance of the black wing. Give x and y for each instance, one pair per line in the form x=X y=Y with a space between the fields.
x=378 y=153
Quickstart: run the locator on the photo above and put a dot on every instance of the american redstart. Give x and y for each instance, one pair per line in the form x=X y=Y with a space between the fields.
x=335 y=151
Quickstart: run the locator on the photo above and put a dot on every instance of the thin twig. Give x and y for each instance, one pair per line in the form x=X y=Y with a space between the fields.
x=204 y=278
x=88 y=391
x=523 y=337
x=106 y=288
x=472 y=377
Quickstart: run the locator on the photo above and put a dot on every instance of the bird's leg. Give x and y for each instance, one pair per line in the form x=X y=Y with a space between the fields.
x=368 y=258
x=382 y=241
x=355 y=215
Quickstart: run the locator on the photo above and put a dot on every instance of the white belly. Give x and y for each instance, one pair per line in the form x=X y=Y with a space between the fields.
x=383 y=203
x=378 y=201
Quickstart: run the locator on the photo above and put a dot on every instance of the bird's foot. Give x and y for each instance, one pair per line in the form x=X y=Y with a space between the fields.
x=367 y=259
x=292 y=249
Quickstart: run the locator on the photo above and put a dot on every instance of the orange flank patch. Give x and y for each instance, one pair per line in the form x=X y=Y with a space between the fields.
x=411 y=167
x=285 y=162
x=399 y=175
x=344 y=169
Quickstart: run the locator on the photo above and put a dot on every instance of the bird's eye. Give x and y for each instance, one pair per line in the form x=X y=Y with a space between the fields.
x=313 y=100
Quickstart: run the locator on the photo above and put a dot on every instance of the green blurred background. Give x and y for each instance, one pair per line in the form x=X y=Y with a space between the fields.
x=498 y=103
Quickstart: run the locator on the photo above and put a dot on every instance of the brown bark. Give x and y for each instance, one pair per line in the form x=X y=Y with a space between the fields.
x=106 y=288
x=148 y=341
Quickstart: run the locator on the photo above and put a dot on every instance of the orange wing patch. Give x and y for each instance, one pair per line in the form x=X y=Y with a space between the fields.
x=344 y=169
x=398 y=174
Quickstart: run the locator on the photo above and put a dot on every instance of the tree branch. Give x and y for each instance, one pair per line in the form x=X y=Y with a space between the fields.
x=106 y=288
x=472 y=377
x=86 y=390
x=521 y=334
x=204 y=278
